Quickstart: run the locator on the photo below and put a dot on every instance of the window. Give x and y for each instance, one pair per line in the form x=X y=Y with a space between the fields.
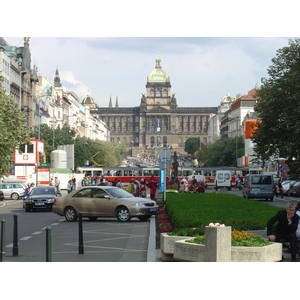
x=86 y=193
x=261 y=179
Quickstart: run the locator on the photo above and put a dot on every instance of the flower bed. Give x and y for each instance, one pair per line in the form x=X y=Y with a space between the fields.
x=244 y=247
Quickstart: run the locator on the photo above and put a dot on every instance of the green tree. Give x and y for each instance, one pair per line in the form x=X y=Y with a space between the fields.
x=13 y=130
x=191 y=145
x=278 y=107
x=53 y=137
x=225 y=151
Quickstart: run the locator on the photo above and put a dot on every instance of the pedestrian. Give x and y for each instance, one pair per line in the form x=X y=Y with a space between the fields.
x=152 y=185
x=70 y=186
x=56 y=184
x=280 y=189
x=102 y=183
x=74 y=183
x=143 y=189
x=132 y=186
x=287 y=223
x=120 y=184
x=51 y=182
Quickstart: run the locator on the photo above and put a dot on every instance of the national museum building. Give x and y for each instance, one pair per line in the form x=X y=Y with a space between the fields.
x=157 y=121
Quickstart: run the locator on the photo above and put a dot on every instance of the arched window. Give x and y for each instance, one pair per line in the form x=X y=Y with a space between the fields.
x=165 y=93
x=152 y=93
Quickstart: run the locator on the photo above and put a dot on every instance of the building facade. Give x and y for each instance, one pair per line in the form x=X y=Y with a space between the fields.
x=157 y=121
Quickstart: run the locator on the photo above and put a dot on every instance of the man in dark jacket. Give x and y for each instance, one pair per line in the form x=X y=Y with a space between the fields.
x=287 y=223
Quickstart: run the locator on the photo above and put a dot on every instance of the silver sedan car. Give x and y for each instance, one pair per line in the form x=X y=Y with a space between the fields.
x=104 y=201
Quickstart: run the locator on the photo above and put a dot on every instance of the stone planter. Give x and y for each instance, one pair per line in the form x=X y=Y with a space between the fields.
x=196 y=253
x=217 y=249
x=167 y=245
x=188 y=251
x=268 y=253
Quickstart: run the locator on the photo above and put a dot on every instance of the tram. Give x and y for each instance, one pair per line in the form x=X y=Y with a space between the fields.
x=125 y=174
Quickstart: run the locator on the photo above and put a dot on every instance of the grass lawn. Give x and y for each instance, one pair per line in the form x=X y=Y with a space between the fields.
x=192 y=212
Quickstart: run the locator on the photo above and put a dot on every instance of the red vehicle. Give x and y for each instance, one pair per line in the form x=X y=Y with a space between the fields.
x=125 y=174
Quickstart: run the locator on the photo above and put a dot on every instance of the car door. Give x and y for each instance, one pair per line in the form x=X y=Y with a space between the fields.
x=102 y=204
x=81 y=201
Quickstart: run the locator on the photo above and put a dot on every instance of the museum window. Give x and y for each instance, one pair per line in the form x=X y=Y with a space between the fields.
x=151 y=93
x=158 y=93
x=165 y=93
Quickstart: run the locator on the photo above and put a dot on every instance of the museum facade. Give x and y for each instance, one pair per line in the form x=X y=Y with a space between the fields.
x=157 y=121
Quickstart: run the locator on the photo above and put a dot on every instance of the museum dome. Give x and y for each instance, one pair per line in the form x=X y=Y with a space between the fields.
x=88 y=100
x=158 y=74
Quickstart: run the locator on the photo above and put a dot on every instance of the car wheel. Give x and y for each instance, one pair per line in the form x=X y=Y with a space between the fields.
x=271 y=199
x=14 y=196
x=123 y=214
x=27 y=209
x=70 y=214
x=144 y=218
x=93 y=218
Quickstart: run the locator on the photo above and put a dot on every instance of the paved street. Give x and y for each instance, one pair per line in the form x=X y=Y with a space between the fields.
x=104 y=240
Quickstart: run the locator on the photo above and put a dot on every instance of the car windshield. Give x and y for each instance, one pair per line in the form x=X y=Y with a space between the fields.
x=119 y=193
x=45 y=191
x=261 y=180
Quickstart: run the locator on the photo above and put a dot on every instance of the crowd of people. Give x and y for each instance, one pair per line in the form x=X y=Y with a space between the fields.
x=191 y=186
x=137 y=187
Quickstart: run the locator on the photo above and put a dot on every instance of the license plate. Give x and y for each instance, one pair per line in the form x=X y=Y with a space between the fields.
x=255 y=189
x=153 y=209
x=39 y=204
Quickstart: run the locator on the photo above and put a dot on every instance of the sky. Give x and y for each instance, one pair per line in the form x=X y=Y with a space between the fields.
x=202 y=70
x=108 y=50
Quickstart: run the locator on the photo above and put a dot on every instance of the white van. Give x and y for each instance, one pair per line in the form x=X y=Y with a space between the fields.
x=222 y=179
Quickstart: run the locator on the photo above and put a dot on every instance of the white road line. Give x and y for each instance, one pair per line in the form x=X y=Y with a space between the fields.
x=25 y=238
x=37 y=232
x=54 y=224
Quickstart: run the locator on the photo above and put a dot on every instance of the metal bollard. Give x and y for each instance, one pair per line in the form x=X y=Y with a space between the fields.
x=80 y=247
x=15 y=237
x=48 y=244
x=2 y=241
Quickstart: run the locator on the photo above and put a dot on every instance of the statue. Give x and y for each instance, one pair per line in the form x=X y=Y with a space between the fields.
x=175 y=165
x=26 y=39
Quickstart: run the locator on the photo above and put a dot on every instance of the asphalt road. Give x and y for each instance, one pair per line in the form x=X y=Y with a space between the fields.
x=104 y=240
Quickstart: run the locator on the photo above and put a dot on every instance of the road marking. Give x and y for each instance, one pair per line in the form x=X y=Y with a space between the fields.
x=54 y=224
x=37 y=232
x=25 y=238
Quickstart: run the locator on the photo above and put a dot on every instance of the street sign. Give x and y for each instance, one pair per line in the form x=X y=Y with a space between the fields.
x=44 y=165
x=165 y=155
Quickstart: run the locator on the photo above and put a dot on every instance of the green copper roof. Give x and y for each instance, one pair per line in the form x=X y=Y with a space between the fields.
x=158 y=74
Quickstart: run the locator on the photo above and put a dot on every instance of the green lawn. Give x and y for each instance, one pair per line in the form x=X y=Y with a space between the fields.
x=196 y=211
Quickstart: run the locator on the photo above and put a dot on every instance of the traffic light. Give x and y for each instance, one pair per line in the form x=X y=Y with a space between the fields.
x=42 y=157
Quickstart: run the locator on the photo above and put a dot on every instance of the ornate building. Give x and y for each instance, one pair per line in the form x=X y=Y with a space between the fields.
x=158 y=121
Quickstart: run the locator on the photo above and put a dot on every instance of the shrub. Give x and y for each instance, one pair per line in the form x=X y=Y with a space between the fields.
x=190 y=213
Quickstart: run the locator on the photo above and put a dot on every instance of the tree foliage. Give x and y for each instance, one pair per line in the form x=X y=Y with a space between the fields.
x=222 y=152
x=13 y=130
x=278 y=106
x=191 y=145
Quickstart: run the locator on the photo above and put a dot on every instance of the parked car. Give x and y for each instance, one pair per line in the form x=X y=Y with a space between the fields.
x=41 y=197
x=258 y=186
x=13 y=190
x=286 y=187
x=296 y=189
x=1 y=196
x=291 y=186
x=104 y=201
